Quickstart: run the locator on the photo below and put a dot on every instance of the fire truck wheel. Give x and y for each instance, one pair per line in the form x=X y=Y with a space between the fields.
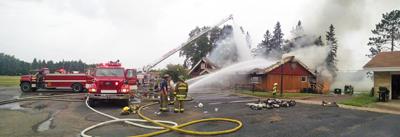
x=76 y=87
x=26 y=87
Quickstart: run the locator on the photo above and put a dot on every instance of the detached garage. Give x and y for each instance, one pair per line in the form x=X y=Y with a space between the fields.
x=386 y=68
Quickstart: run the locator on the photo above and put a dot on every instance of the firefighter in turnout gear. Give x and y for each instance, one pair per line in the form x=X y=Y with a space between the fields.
x=171 y=90
x=180 y=93
x=274 y=89
x=164 y=93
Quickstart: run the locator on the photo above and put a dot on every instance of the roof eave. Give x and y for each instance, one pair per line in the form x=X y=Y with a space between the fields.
x=380 y=69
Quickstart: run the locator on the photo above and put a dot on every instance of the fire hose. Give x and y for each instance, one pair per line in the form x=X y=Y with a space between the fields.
x=191 y=132
x=163 y=127
x=161 y=124
x=130 y=121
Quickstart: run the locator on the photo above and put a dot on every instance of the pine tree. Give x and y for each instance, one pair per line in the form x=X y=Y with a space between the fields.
x=298 y=31
x=277 y=42
x=331 y=59
x=318 y=42
x=266 y=44
x=387 y=31
x=35 y=64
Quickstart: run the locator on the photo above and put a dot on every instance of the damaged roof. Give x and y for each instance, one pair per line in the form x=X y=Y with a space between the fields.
x=279 y=63
x=205 y=60
x=384 y=61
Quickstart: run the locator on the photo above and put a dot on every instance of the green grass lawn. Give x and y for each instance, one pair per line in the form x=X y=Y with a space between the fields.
x=269 y=94
x=9 y=81
x=359 y=100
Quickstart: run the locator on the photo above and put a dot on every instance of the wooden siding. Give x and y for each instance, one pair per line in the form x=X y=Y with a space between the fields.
x=292 y=78
x=291 y=83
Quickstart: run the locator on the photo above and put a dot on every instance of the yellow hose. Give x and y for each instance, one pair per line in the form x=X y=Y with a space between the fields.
x=192 y=132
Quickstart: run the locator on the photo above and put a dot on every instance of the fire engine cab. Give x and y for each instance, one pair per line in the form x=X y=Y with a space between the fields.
x=111 y=81
x=43 y=79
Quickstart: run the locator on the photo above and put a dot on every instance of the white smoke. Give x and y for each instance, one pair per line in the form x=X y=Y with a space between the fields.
x=314 y=57
x=231 y=49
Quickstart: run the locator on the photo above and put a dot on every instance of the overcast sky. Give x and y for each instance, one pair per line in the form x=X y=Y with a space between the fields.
x=139 y=32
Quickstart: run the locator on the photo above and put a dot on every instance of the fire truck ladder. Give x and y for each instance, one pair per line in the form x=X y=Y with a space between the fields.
x=191 y=39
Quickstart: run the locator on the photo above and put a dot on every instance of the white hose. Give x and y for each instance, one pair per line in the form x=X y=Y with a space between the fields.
x=130 y=121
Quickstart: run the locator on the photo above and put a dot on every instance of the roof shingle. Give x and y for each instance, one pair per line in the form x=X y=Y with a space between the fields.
x=384 y=59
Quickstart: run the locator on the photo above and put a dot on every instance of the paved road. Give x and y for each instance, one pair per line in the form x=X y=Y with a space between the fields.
x=302 y=120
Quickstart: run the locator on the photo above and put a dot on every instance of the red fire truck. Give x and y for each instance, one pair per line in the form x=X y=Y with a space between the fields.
x=43 y=79
x=111 y=81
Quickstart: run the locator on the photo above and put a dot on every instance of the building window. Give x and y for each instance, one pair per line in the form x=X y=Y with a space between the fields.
x=303 y=79
x=255 y=80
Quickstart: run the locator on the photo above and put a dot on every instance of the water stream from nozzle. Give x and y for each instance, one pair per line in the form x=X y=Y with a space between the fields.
x=232 y=54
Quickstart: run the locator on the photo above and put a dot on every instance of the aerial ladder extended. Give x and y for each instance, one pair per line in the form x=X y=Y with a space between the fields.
x=191 y=39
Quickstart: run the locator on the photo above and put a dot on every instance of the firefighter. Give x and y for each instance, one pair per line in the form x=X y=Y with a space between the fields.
x=164 y=93
x=39 y=79
x=150 y=88
x=274 y=89
x=180 y=93
x=171 y=90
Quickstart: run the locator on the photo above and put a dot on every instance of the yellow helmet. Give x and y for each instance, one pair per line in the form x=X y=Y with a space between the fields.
x=125 y=108
x=275 y=84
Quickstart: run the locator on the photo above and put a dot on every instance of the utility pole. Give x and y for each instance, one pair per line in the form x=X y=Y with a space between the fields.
x=281 y=78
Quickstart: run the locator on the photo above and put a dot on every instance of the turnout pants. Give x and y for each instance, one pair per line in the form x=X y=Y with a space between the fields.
x=179 y=104
x=163 y=101
x=171 y=97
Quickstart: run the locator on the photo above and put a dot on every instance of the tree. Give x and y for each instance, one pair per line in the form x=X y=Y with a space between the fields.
x=298 y=31
x=386 y=31
x=318 y=42
x=35 y=64
x=276 y=42
x=331 y=59
x=9 y=65
x=175 y=70
x=200 y=47
x=266 y=43
x=264 y=47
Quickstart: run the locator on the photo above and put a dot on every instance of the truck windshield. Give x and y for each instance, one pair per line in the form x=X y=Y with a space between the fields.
x=110 y=72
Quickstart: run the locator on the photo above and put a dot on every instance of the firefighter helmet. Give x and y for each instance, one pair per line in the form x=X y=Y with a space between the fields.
x=126 y=109
x=166 y=76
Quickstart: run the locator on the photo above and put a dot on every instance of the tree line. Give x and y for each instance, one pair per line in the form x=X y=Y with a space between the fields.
x=274 y=45
x=9 y=65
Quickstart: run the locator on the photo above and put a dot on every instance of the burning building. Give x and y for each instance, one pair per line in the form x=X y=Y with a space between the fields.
x=204 y=66
x=295 y=76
